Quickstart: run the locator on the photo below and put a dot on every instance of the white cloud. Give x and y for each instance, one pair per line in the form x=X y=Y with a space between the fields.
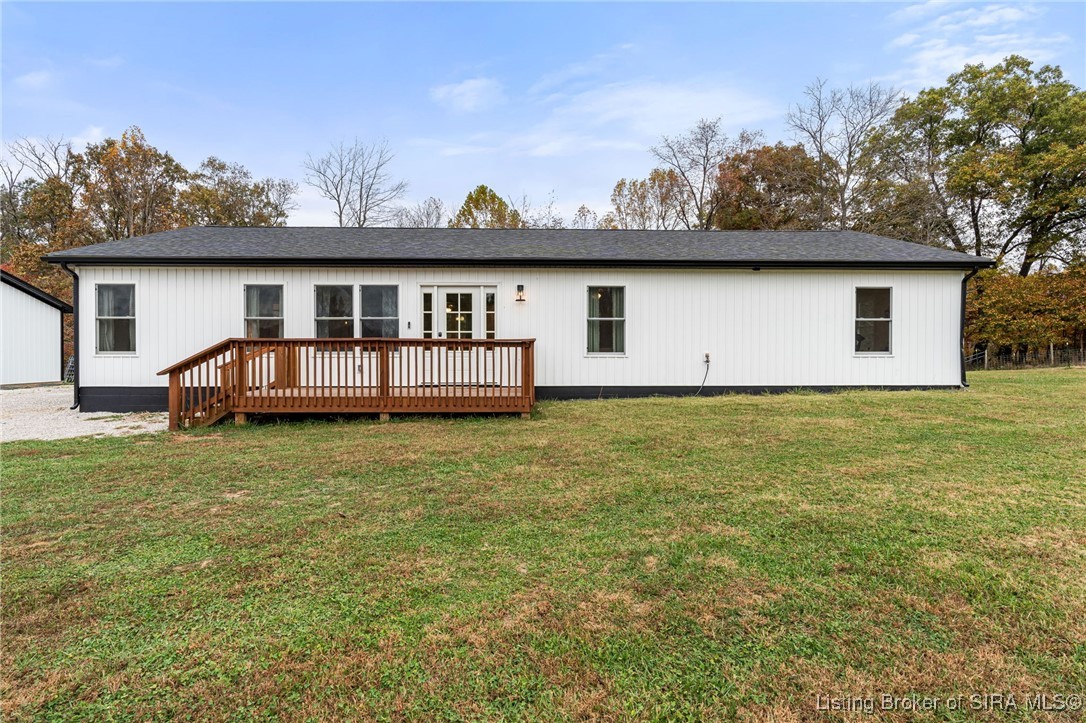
x=911 y=13
x=90 y=134
x=35 y=80
x=474 y=94
x=581 y=70
x=648 y=108
x=942 y=38
x=615 y=117
x=987 y=16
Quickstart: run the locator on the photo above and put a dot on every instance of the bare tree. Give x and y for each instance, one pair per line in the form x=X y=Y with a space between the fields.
x=424 y=214
x=279 y=195
x=585 y=218
x=331 y=175
x=544 y=217
x=12 y=212
x=45 y=158
x=356 y=179
x=835 y=126
x=695 y=158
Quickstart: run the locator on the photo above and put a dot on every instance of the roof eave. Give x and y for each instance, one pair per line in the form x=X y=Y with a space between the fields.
x=979 y=262
x=31 y=290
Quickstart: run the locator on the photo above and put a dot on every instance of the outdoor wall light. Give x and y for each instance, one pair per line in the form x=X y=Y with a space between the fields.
x=520 y=292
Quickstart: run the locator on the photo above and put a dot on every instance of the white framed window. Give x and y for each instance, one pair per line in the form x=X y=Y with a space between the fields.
x=490 y=298
x=334 y=311
x=115 y=312
x=874 y=320
x=264 y=311
x=428 y=313
x=606 y=320
x=379 y=311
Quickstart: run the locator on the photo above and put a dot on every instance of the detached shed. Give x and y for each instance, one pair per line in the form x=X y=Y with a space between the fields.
x=33 y=328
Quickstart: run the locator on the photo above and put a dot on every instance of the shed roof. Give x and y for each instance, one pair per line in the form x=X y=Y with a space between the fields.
x=332 y=246
x=31 y=290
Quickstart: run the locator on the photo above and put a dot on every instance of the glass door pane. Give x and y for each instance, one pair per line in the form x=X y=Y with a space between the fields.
x=459 y=314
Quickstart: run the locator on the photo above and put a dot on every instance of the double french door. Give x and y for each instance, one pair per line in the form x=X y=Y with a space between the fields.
x=458 y=312
x=461 y=312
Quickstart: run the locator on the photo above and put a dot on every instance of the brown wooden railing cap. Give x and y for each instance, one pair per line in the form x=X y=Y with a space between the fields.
x=216 y=348
x=308 y=341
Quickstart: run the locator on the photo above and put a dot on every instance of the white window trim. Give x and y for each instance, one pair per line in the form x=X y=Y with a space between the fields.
x=423 y=290
x=134 y=318
x=245 y=319
x=604 y=354
x=353 y=317
x=483 y=291
x=399 y=309
x=872 y=354
x=432 y=288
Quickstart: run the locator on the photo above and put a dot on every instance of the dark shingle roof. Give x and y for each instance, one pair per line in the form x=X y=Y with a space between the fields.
x=31 y=290
x=220 y=245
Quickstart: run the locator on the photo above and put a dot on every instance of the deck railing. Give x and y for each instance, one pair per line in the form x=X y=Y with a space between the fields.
x=375 y=376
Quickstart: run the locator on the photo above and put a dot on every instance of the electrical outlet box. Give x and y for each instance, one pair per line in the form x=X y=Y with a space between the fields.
x=707 y=357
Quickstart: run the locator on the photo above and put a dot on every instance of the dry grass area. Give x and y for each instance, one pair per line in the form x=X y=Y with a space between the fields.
x=714 y=558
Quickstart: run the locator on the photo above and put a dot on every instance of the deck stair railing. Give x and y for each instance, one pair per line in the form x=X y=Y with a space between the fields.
x=375 y=376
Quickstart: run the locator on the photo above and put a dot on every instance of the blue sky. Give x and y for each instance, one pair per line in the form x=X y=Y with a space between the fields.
x=533 y=99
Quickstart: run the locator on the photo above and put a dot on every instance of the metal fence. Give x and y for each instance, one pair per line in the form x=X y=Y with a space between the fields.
x=1031 y=359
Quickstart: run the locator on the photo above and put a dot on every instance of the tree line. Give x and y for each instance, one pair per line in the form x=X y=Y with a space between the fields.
x=992 y=163
x=53 y=198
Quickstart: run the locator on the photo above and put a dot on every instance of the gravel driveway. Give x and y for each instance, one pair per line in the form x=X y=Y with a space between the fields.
x=42 y=413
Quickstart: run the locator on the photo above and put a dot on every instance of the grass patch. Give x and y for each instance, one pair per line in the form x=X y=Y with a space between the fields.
x=654 y=558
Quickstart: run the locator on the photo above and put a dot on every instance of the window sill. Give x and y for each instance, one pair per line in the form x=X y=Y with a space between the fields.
x=116 y=355
x=605 y=355
x=872 y=355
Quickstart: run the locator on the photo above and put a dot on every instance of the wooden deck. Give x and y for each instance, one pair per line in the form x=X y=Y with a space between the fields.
x=364 y=376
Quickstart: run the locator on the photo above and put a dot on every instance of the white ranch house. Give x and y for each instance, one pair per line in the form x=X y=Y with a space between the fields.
x=490 y=320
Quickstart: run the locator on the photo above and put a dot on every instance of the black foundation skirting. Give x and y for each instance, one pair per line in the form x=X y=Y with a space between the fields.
x=156 y=399
x=124 y=399
x=667 y=391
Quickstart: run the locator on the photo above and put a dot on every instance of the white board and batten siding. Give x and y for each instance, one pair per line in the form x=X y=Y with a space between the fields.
x=31 y=339
x=779 y=328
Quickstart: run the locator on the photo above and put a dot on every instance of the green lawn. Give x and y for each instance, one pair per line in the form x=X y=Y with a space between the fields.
x=656 y=558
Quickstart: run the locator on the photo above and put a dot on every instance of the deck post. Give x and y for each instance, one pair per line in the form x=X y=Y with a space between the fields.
x=384 y=416
x=240 y=377
x=383 y=374
x=175 y=400
x=241 y=419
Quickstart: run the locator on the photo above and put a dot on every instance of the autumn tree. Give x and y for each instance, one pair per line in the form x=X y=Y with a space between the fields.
x=767 y=187
x=1010 y=311
x=130 y=187
x=483 y=208
x=835 y=126
x=41 y=210
x=649 y=203
x=53 y=198
x=226 y=194
x=357 y=178
x=15 y=189
x=695 y=157
x=1002 y=153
